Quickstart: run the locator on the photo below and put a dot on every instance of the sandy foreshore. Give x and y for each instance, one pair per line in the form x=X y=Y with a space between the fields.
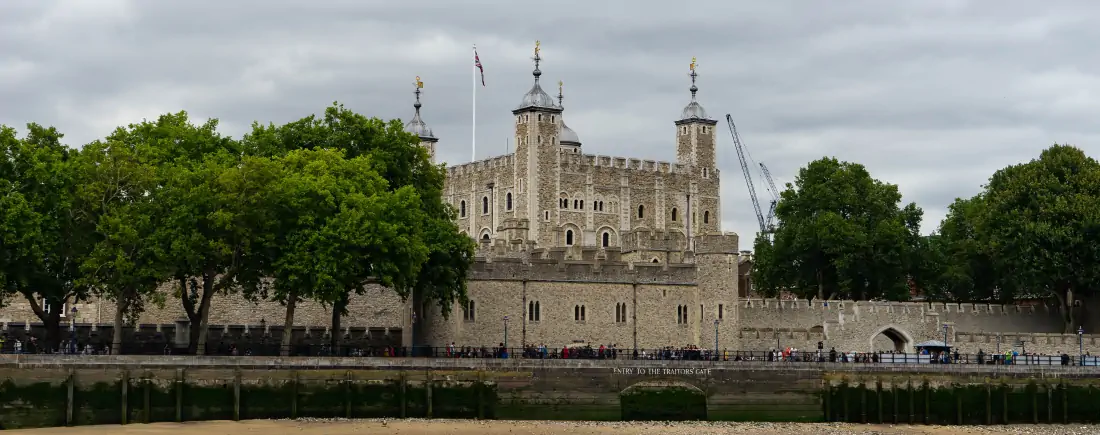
x=494 y=427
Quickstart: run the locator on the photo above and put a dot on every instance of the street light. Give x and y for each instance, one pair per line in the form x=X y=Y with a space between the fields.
x=716 y=357
x=505 y=334
x=1081 y=345
x=946 y=347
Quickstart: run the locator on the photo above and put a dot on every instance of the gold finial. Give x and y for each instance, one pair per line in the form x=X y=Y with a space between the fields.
x=559 y=86
x=419 y=84
x=537 y=47
x=693 y=63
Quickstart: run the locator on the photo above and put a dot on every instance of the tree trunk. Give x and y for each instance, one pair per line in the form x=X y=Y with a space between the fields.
x=1065 y=298
x=52 y=322
x=338 y=308
x=820 y=286
x=204 y=312
x=120 y=309
x=192 y=315
x=288 y=323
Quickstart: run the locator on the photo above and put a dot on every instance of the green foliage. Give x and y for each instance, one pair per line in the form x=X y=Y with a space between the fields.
x=841 y=234
x=1033 y=232
x=43 y=239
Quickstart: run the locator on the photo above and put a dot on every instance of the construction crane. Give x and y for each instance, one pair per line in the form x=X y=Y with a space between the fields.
x=769 y=220
x=741 y=152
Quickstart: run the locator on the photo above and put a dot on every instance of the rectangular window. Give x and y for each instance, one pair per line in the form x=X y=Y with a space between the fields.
x=46 y=308
x=721 y=310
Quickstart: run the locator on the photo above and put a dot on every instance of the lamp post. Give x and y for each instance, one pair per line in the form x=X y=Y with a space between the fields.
x=716 y=356
x=72 y=332
x=1081 y=345
x=505 y=333
x=946 y=346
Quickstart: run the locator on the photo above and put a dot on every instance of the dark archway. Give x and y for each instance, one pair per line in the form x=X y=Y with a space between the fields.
x=663 y=401
x=891 y=339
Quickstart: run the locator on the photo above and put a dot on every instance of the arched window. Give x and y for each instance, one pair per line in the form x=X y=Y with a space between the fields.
x=617 y=311
x=706 y=217
x=577 y=312
x=704 y=172
x=462 y=209
x=679 y=314
x=606 y=239
x=468 y=311
x=485 y=237
x=508 y=201
x=582 y=313
x=533 y=311
x=674 y=214
x=485 y=204
x=576 y=204
x=641 y=211
x=582 y=205
x=538 y=312
x=601 y=205
x=568 y=237
x=656 y=260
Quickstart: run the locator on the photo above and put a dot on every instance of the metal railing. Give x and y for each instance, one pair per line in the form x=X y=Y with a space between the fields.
x=532 y=352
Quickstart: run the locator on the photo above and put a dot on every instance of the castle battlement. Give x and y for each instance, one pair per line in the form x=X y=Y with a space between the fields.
x=1008 y=339
x=584 y=271
x=809 y=334
x=481 y=165
x=593 y=160
x=853 y=307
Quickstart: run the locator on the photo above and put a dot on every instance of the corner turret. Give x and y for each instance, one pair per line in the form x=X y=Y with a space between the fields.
x=695 y=133
x=417 y=126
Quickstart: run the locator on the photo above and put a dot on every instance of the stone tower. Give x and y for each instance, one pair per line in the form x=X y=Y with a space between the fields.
x=695 y=150
x=418 y=127
x=538 y=123
x=716 y=271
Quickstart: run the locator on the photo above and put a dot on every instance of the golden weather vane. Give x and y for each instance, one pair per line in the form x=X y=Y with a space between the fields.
x=693 y=64
x=537 y=47
x=559 y=86
x=419 y=84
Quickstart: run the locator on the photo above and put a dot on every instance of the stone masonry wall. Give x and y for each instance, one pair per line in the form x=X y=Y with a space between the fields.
x=867 y=325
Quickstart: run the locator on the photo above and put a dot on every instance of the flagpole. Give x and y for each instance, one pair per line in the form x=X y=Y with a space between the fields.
x=473 y=111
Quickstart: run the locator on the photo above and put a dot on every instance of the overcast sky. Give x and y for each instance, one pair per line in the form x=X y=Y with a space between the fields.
x=932 y=95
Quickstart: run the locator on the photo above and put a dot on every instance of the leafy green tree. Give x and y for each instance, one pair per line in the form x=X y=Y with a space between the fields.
x=966 y=271
x=841 y=234
x=118 y=191
x=42 y=238
x=1042 y=220
x=216 y=206
x=340 y=227
x=398 y=158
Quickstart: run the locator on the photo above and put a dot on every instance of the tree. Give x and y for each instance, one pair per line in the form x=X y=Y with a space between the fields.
x=42 y=239
x=216 y=208
x=340 y=227
x=1042 y=220
x=118 y=192
x=398 y=158
x=966 y=271
x=841 y=234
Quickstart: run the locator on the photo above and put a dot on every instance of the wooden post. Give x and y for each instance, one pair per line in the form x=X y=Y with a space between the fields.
x=237 y=395
x=125 y=395
x=878 y=397
x=294 y=394
x=912 y=396
x=347 y=394
x=428 y=391
x=989 y=404
x=1004 y=404
x=894 y=392
x=844 y=399
x=69 y=385
x=1065 y=403
x=147 y=386
x=958 y=406
x=927 y=399
x=179 y=395
x=1035 y=405
x=481 y=394
x=863 y=402
x=404 y=398
x=1050 y=404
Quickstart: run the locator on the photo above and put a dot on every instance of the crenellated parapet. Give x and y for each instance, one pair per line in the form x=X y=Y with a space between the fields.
x=584 y=162
x=581 y=271
x=480 y=166
x=852 y=307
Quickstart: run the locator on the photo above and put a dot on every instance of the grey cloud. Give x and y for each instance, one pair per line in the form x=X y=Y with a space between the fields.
x=933 y=96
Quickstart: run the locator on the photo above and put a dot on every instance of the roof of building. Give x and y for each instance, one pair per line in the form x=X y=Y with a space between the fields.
x=416 y=125
x=536 y=97
x=693 y=111
x=568 y=136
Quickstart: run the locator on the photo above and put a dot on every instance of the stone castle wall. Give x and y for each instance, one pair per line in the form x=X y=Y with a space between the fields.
x=866 y=325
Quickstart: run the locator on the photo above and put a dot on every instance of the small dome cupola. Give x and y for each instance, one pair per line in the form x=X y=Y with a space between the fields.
x=693 y=111
x=536 y=98
x=567 y=136
x=416 y=125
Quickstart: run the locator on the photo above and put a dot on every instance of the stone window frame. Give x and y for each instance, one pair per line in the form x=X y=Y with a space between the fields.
x=508 y=201
x=681 y=314
x=675 y=214
x=721 y=311
x=534 y=313
x=469 y=311
x=569 y=237
x=605 y=239
x=706 y=216
x=641 y=211
x=621 y=313
x=579 y=313
x=485 y=205
x=462 y=208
